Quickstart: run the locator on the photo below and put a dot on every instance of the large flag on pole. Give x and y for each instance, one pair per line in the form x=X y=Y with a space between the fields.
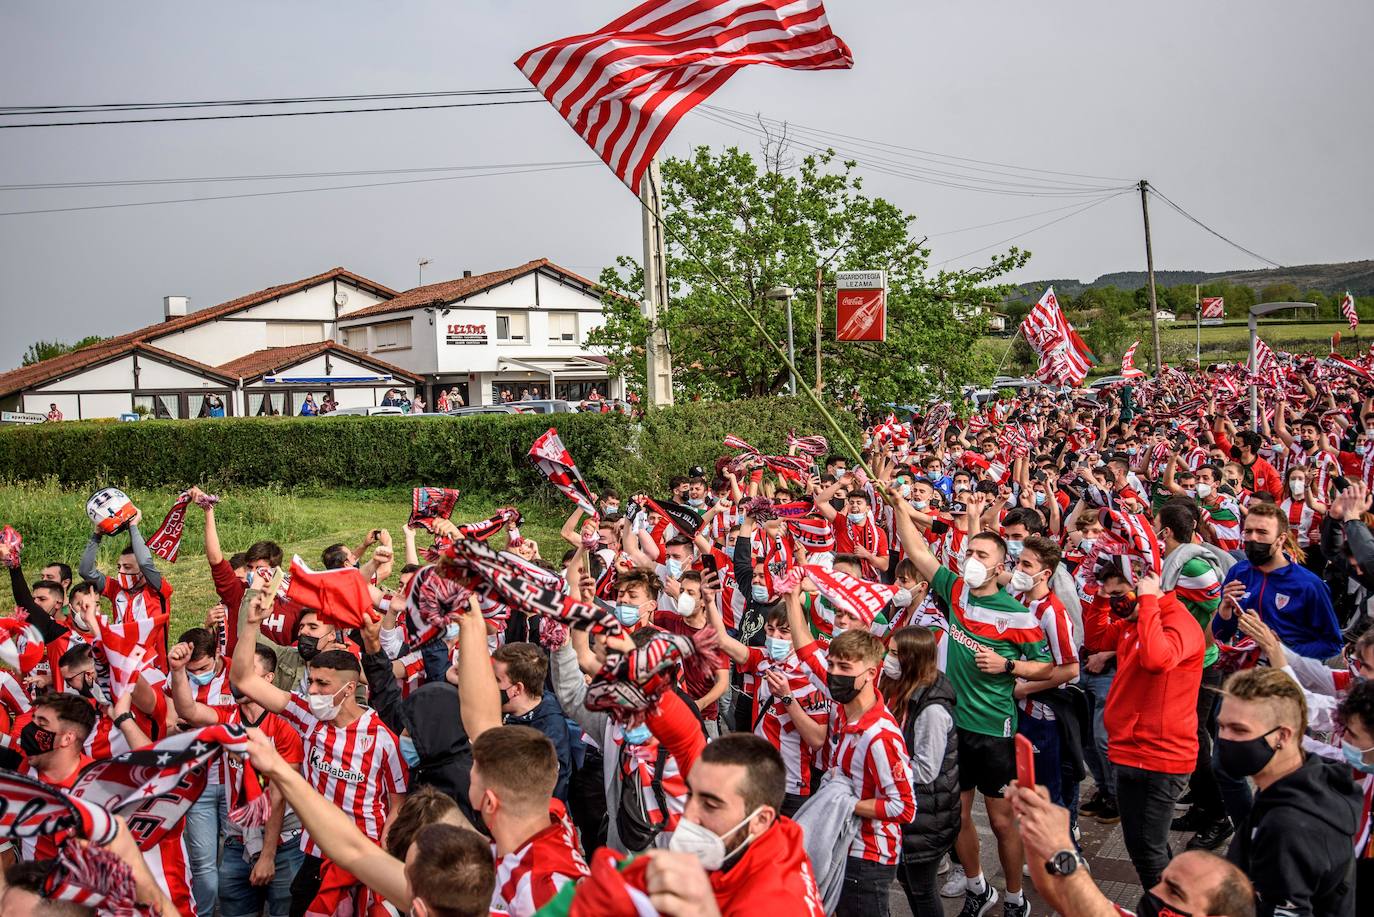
x=1064 y=357
x=1128 y=363
x=1266 y=363
x=625 y=86
x=1348 y=310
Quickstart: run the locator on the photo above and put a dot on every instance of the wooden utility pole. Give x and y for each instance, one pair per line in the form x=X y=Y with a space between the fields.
x=820 y=314
x=1150 y=270
x=658 y=381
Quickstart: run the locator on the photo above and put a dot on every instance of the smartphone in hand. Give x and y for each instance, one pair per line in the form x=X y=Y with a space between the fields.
x=1025 y=762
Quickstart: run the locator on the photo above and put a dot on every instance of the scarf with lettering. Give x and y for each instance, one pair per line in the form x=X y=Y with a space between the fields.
x=166 y=541
x=430 y=503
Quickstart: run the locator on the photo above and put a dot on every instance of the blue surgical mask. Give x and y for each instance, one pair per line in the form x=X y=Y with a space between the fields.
x=1355 y=757
x=409 y=751
x=627 y=614
x=674 y=568
x=201 y=678
x=856 y=518
x=1014 y=547
x=760 y=593
x=1040 y=498
x=777 y=648
x=451 y=630
x=921 y=504
x=697 y=501
x=639 y=735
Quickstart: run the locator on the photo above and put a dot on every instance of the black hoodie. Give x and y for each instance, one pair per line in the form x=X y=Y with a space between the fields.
x=1296 y=845
x=433 y=717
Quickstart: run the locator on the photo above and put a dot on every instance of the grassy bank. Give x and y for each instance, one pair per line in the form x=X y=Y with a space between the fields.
x=304 y=521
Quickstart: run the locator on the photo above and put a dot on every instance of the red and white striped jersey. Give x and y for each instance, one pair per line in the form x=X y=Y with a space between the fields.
x=1305 y=522
x=776 y=723
x=872 y=754
x=637 y=764
x=949 y=548
x=217 y=691
x=12 y=696
x=357 y=767
x=414 y=676
x=526 y=879
x=1058 y=628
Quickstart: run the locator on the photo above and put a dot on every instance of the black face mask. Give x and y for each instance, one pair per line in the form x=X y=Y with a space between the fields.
x=1121 y=606
x=1151 y=905
x=35 y=740
x=1306 y=445
x=1258 y=553
x=505 y=696
x=1245 y=757
x=837 y=504
x=308 y=647
x=842 y=687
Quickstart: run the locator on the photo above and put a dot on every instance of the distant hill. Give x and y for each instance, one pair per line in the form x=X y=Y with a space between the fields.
x=1355 y=276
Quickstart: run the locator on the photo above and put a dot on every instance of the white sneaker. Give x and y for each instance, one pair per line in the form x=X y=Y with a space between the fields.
x=956 y=884
x=944 y=865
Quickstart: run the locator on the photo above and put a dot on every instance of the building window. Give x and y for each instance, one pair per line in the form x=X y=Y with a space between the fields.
x=290 y=334
x=391 y=335
x=562 y=327
x=512 y=328
x=265 y=404
x=355 y=339
x=159 y=407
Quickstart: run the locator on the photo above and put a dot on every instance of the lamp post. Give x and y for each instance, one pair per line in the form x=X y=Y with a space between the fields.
x=1264 y=308
x=785 y=295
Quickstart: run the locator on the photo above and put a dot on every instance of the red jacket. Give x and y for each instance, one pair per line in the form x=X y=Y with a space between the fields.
x=1151 y=713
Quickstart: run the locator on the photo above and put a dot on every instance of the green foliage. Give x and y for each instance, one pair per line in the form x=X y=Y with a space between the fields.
x=486 y=454
x=736 y=231
x=46 y=350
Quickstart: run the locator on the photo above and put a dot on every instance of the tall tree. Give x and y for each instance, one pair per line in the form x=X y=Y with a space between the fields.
x=736 y=230
x=46 y=350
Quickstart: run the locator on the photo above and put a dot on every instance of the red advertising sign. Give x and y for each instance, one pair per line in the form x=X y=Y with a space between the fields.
x=861 y=306
x=1213 y=308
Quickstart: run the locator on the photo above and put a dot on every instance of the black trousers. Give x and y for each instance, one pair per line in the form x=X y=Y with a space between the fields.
x=866 y=885
x=587 y=802
x=920 y=882
x=305 y=886
x=1206 y=792
x=1146 y=800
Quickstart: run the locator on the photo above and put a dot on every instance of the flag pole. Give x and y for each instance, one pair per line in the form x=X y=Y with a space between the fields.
x=1008 y=353
x=658 y=370
x=844 y=440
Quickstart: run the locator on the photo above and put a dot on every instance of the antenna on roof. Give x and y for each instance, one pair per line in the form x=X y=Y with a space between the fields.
x=423 y=262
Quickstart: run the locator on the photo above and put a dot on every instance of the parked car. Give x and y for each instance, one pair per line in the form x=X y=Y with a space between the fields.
x=387 y=411
x=544 y=406
x=483 y=409
x=1105 y=381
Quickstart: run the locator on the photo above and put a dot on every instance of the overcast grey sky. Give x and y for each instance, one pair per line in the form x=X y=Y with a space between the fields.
x=1252 y=114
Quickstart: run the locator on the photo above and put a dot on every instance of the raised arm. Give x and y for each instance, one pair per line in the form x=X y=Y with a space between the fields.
x=213 y=553
x=412 y=555
x=252 y=612
x=87 y=567
x=913 y=542
x=571 y=532
x=183 y=698
x=737 y=652
x=143 y=556
x=476 y=678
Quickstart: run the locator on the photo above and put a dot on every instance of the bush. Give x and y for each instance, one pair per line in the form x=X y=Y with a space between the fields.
x=484 y=453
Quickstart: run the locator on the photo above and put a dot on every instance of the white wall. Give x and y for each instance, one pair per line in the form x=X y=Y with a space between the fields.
x=159 y=375
x=93 y=406
x=38 y=404
x=117 y=374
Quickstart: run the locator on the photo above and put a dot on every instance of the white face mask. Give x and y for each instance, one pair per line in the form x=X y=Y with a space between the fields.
x=705 y=844
x=686 y=604
x=1021 y=581
x=892 y=667
x=903 y=598
x=973 y=570
x=1204 y=490
x=325 y=707
x=1298 y=486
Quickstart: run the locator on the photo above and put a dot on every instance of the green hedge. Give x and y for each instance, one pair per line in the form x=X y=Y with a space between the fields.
x=484 y=453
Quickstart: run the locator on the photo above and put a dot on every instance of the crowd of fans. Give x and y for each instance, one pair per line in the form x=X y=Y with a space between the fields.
x=783 y=685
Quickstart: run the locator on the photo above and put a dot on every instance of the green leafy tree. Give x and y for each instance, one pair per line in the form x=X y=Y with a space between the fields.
x=46 y=350
x=736 y=230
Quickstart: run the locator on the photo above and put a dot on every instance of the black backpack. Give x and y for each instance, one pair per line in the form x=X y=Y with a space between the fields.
x=636 y=826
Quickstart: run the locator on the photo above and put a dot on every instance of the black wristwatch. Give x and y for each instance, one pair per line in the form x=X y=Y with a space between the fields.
x=1065 y=863
x=119 y=720
x=1011 y=666
x=784 y=700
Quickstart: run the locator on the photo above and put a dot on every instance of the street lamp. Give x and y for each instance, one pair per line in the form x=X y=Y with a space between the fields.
x=1264 y=308
x=784 y=295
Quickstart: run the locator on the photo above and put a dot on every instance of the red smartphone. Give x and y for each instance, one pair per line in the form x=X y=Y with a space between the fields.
x=1025 y=762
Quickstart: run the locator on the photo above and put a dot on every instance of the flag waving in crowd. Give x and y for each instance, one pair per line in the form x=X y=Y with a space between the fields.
x=1064 y=357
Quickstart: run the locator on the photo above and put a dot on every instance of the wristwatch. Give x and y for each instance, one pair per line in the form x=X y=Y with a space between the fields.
x=784 y=700
x=1011 y=666
x=1065 y=863
x=126 y=715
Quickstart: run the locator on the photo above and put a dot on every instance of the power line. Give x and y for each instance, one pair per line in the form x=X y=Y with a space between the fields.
x=77 y=107
x=1020 y=235
x=955 y=232
x=912 y=149
x=271 y=114
x=275 y=176
x=1189 y=216
x=227 y=197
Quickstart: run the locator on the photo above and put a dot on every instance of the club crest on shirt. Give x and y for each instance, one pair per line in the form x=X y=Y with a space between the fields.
x=1280 y=601
x=1001 y=622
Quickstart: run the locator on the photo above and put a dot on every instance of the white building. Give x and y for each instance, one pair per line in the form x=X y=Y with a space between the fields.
x=336 y=334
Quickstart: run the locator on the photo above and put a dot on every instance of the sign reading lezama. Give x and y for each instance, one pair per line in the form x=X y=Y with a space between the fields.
x=861 y=306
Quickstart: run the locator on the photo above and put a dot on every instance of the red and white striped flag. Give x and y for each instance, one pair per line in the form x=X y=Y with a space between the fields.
x=129 y=648
x=554 y=459
x=1266 y=363
x=625 y=86
x=1128 y=363
x=1064 y=357
x=1348 y=310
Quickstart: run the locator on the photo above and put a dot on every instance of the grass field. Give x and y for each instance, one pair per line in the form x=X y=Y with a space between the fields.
x=55 y=527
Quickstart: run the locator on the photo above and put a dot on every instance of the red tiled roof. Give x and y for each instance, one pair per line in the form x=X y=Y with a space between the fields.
x=448 y=291
x=28 y=376
x=274 y=359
